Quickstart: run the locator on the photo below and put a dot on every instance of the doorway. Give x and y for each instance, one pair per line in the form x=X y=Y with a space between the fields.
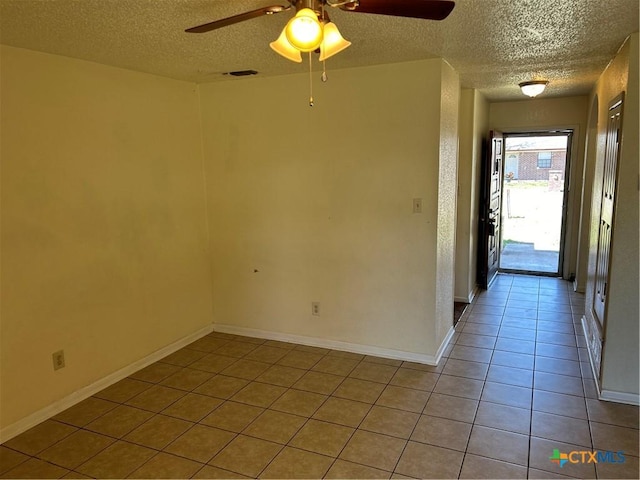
x=534 y=198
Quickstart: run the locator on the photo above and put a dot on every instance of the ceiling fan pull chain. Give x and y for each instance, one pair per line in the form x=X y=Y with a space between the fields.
x=310 y=83
x=324 y=77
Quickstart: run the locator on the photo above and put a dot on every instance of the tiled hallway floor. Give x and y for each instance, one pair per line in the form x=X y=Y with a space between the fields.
x=514 y=385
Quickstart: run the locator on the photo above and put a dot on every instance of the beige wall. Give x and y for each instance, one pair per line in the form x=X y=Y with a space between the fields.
x=104 y=244
x=620 y=362
x=548 y=114
x=315 y=204
x=474 y=128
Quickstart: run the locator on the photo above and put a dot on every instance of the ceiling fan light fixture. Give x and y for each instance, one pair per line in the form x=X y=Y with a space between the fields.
x=304 y=31
x=284 y=48
x=533 y=88
x=333 y=42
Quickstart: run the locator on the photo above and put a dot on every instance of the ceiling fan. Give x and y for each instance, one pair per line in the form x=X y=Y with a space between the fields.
x=311 y=29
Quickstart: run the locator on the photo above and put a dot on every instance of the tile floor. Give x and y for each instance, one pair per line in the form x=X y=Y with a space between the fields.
x=514 y=385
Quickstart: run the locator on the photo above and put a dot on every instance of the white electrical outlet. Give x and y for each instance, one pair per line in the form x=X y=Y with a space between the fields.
x=315 y=308
x=58 y=360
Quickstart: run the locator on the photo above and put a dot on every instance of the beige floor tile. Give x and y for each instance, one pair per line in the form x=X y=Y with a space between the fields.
x=558 y=366
x=516 y=333
x=214 y=472
x=279 y=344
x=40 y=437
x=312 y=349
x=389 y=421
x=299 y=402
x=201 y=443
x=504 y=394
x=510 y=376
x=246 y=369
x=300 y=359
x=158 y=432
x=424 y=367
x=73 y=474
x=453 y=408
x=207 y=344
x=259 y=394
x=481 y=329
x=213 y=363
x=85 y=412
x=187 y=379
x=10 y=459
x=471 y=354
x=34 y=468
x=76 y=449
x=295 y=463
x=562 y=429
x=119 y=421
x=267 y=354
x=276 y=427
x=442 y=432
x=222 y=386
x=192 y=407
x=343 y=469
x=156 y=398
x=559 y=404
x=464 y=368
x=359 y=390
x=335 y=365
x=317 y=382
x=374 y=372
x=123 y=390
x=427 y=461
x=500 y=445
x=459 y=386
x=556 y=351
x=246 y=455
x=236 y=349
x=344 y=354
x=116 y=461
x=614 y=438
x=322 y=437
x=481 y=467
x=164 y=465
x=503 y=417
x=232 y=416
x=373 y=450
x=534 y=473
x=183 y=357
x=342 y=411
x=473 y=340
x=403 y=398
x=416 y=379
x=613 y=413
x=512 y=359
x=540 y=451
x=627 y=469
x=281 y=375
x=558 y=383
x=382 y=361
x=155 y=373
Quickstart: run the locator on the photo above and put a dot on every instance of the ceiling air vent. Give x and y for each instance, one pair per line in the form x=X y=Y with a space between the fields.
x=242 y=73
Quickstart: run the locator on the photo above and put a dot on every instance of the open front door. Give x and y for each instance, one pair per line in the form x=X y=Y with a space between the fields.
x=490 y=202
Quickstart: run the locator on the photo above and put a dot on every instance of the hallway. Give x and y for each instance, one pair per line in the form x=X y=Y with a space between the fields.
x=513 y=387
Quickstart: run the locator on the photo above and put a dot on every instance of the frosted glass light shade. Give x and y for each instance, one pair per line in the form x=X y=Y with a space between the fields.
x=304 y=31
x=284 y=48
x=533 y=88
x=333 y=42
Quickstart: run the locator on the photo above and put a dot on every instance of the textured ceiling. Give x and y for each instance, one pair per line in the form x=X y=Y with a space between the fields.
x=493 y=44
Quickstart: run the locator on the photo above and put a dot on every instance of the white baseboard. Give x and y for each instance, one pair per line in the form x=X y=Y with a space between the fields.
x=469 y=298
x=337 y=344
x=70 y=400
x=620 y=397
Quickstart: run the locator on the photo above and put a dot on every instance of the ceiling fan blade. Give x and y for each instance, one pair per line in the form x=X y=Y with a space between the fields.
x=426 y=9
x=207 y=27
